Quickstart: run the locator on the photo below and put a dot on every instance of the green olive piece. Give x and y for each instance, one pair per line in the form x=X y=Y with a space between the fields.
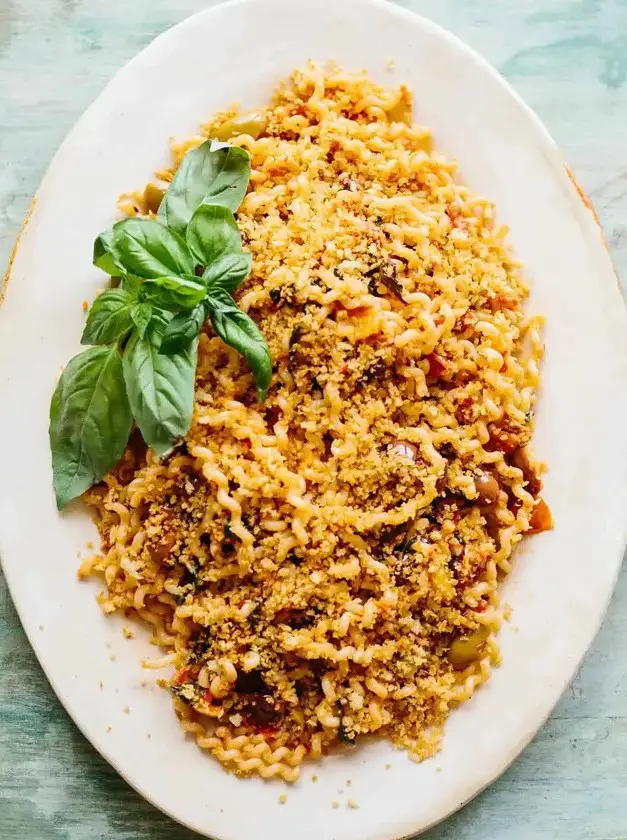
x=153 y=196
x=251 y=124
x=467 y=650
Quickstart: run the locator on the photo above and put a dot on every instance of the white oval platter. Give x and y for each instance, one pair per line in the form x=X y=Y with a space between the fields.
x=562 y=580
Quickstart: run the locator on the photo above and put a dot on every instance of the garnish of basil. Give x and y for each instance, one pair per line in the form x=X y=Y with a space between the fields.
x=212 y=233
x=148 y=249
x=109 y=318
x=210 y=174
x=103 y=257
x=160 y=388
x=173 y=293
x=141 y=314
x=183 y=329
x=90 y=421
x=239 y=331
x=173 y=272
x=228 y=272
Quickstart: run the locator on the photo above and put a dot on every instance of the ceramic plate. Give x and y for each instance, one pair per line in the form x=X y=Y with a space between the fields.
x=562 y=580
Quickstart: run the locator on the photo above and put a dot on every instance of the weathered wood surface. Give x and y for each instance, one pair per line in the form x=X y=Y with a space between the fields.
x=569 y=60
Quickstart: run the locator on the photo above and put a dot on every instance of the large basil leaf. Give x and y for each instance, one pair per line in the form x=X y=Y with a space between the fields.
x=160 y=388
x=228 y=272
x=207 y=175
x=212 y=232
x=183 y=329
x=90 y=421
x=236 y=329
x=148 y=249
x=103 y=254
x=173 y=293
x=109 y=318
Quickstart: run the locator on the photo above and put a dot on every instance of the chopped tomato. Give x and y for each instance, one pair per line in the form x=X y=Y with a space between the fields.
x=437 y=365
x=501 y=441
x=502 y=302
x=359 y=311
x=465 y=411
x=541 y=518
x=181 y=676
x=267 y=731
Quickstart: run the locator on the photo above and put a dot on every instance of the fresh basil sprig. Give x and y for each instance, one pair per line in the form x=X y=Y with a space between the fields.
x=174 y=272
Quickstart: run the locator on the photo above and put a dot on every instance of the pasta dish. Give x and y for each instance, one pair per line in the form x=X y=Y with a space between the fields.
x=326 y=565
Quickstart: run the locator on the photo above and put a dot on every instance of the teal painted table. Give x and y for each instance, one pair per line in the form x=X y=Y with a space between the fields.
x=569 y=60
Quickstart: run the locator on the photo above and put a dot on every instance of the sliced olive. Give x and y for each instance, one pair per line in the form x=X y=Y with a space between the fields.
x=520 y=459
x=403 y=448
x=467 y=650
x=153 y=196
x=487 y=488
x=251 y=124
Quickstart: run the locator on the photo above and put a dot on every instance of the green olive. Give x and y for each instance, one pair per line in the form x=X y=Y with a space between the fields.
x=467 y=650
x=251 y=124
x=153 y=196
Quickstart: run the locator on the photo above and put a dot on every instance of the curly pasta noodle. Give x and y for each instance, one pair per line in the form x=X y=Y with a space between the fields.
x=327 y=565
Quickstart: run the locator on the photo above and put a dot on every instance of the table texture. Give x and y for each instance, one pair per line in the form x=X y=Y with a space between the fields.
x=568 y=58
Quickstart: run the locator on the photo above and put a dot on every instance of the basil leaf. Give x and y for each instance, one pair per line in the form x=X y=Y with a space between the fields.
x=206 y=175
x=228 y=272
x=148 y=249
x=132 y=285
x=141 y=314
x=236 y=329
x=103 y=257
x=109 y=318
x=174 y=293
x=160 y=388
x=183 y=329
x=212 y=232
x=90 y=421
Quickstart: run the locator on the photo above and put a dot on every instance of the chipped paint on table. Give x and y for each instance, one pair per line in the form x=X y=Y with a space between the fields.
x=568 y=58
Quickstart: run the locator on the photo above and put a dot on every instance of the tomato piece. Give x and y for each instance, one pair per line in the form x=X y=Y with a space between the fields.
x=541 y=518
x=437 y=365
